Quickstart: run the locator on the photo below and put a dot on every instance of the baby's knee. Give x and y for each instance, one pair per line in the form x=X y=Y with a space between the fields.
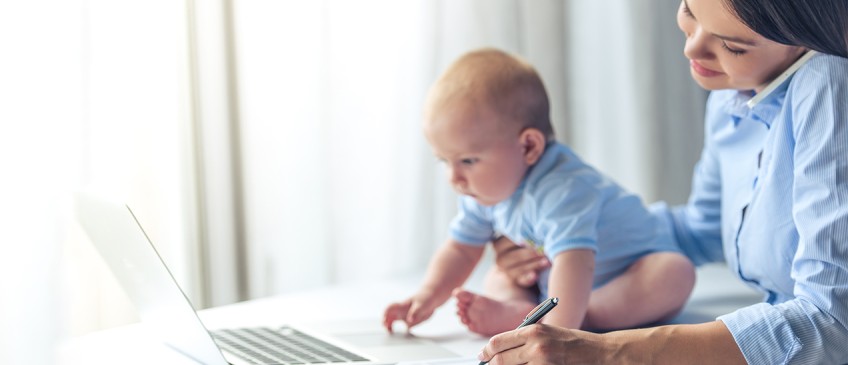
x=679 y=265
x=678 y=271
x=670 y=269
x=673 y=261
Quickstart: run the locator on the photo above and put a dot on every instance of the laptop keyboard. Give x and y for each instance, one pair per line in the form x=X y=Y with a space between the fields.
x=281 y=346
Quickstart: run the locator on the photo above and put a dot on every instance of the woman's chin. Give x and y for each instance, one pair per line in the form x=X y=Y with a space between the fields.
x=710 y=84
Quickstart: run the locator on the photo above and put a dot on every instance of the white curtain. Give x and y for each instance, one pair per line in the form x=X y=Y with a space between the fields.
x=271 y=146
x=133 y=145
x=30 y=136
x=336 y=176
x=633 y=110
x=92 y=97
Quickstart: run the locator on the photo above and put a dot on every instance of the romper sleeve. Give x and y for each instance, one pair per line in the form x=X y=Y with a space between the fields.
x=472 y=224
x=568 y=213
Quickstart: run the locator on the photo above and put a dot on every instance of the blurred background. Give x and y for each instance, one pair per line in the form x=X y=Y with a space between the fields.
x=255 y=138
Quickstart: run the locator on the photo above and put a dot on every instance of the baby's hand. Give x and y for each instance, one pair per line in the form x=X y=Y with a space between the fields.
x=521 y=264
x=412 y=311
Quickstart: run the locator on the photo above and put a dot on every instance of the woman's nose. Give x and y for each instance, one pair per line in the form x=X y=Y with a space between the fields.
x=696 y=45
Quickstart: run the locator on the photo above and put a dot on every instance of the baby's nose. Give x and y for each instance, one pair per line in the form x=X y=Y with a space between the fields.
x=460 y=186
x=456 y=179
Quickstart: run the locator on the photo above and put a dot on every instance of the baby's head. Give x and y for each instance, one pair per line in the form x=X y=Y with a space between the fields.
x=488 y=118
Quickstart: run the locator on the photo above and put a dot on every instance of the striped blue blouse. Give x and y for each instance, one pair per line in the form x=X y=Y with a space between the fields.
x=770 y=197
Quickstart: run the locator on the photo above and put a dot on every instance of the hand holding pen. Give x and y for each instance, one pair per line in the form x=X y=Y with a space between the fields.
x=536 y=314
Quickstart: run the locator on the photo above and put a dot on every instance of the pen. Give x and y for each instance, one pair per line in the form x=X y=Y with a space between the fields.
x=536 y=314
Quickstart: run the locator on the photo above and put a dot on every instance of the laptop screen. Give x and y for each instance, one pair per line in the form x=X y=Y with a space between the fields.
x=118 y=237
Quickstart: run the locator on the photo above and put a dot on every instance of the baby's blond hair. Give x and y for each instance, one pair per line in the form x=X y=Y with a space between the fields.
x=497 y=80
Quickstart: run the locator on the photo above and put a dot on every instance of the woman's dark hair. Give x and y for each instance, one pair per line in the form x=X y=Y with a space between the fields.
x=820 y=25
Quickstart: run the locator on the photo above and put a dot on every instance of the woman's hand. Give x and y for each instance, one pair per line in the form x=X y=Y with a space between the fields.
x=544 y=344
x=521 y=264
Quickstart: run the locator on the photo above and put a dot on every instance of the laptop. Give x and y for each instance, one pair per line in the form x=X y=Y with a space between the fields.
x=124 y=246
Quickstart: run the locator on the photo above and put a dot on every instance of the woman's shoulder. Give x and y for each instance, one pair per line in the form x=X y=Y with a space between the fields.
x=826 y=62
x=818 y=93
x=822 y=70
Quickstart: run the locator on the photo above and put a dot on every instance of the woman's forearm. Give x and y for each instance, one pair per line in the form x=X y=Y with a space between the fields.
x=705 y=343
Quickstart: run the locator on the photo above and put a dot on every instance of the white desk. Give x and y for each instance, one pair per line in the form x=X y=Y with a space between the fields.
x=716 y=293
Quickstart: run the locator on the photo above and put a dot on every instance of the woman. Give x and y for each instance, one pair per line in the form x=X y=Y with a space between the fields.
x=770 y=196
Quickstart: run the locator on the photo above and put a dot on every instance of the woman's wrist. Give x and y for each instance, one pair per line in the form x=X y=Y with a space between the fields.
x=626 y=347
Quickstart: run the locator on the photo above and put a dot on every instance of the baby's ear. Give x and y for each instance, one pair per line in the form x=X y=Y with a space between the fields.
x=533 y=141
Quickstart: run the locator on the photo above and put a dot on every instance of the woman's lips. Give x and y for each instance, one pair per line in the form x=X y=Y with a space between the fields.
x=701 y=70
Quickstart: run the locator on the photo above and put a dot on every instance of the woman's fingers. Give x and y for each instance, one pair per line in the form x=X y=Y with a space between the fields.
x=501 y=348
x=542 y=344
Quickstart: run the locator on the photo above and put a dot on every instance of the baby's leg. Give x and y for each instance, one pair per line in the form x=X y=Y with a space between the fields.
x=499 y=286
x=654 y=288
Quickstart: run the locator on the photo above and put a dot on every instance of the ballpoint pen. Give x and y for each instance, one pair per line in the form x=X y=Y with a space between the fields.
x=536 y=314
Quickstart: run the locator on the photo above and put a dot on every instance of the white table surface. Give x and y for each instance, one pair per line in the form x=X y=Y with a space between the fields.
x=716 y=293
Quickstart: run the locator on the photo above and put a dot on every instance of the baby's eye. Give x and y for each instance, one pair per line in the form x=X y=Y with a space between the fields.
x=468 y=161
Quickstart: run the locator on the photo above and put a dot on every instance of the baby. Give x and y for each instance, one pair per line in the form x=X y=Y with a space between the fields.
x=487 y=118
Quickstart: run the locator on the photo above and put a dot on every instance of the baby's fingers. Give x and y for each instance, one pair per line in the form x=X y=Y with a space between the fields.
x=417 y=314
x=395 y=311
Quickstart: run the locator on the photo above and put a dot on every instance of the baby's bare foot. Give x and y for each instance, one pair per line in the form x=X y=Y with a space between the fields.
x=487 y=316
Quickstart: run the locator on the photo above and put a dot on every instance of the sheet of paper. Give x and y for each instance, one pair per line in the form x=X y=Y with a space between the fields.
x=446 y=361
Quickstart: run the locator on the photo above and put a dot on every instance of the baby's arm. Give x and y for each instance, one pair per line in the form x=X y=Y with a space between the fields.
x=571 y=278
x=449 y=268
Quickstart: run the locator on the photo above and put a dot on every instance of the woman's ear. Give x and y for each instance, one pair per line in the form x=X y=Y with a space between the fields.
x=533 y=142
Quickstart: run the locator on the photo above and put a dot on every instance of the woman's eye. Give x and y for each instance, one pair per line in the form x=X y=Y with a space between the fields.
x=687 y=11
x=733 y=51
